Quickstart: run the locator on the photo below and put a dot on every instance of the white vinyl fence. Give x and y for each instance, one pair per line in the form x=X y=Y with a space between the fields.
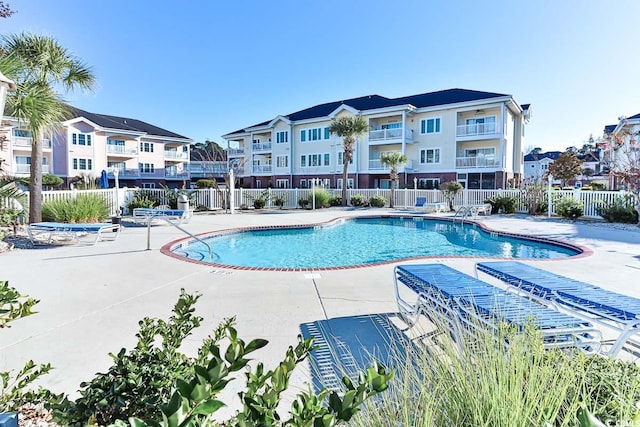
x=213 y=199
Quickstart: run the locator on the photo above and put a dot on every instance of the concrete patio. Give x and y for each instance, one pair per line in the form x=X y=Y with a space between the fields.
x=92 y=297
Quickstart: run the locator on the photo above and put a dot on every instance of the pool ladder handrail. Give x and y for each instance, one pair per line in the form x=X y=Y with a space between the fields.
x=465 y=211
x=211 y=253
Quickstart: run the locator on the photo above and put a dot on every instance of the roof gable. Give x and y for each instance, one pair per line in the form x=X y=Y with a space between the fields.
x=551 y=155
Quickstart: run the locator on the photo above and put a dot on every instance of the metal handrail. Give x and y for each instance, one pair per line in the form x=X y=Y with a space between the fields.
x=150 y=217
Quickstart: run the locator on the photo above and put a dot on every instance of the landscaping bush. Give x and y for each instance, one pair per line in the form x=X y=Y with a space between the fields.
x=259 y=203
x=505 y=204
x=358 y=200
x=450 y=189
x=85 y=208
x=586 y=188
x=322 y=197
x=280 y=200
x=143 y=199
x=377 y=201
x=335 y=200
x=303 y=203
x=156 y=385
x=621 y=210
x=205 y=183
x=598 y=186
x=569 y=207
x=49 y=180
x=10 y=216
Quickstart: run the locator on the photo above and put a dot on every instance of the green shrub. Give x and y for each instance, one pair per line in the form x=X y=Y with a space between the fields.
x=358 y=200
x=598 y=186
x=280 y=200
x=586 y=188
x=621 y=210
x=303 y=203
x=505 y=204
x=170 y=197
x=259 y=203
x=84 y=208
x=569 y=207
x=156 y=385
x=10 y=216
x=205 y=183
x=322 y=197
x=49 y=180
x=144 y=199
x=377 y=201
x=244 y=207
x=335 y=200
x=450 y=189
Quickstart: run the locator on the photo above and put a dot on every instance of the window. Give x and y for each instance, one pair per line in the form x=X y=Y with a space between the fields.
x=428 y=183
x=314 y=159
x=147 y=168
x=82 y=164
x=303 y=135
x=430 y=125
x=81 y=139
x=341 y=159
x=303 y=161
x=481 y=125
x=349 y=183
x=148 y=185
x=430 y=155
x=327 y=133
x=303 y=183
x=282 y=183
x=118 y=142
x=282 y=161
x=327 y=159
x=326 y=182
x=146 y=147
x=282 y=137
x=22 y=133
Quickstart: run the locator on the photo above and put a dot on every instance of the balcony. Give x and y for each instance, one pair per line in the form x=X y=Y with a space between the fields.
x=22 y=168
x=122 y=151
x=26 y=142
x=197 y=170
x=263 y=146
x=125 y=173
x=376 y=164
x=477 y=130
x=176 y=155
x=477 y=162
x=387 y=135
x=236 y=151
x=262 y=168
x=173 y=174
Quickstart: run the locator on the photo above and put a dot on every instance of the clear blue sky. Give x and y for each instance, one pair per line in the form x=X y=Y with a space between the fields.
x=205 y=68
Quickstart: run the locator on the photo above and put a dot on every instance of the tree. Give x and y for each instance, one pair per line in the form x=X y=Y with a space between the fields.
x=624 y=158
x=536 y=150
x=349 y=128
x=45 y=70
x=393 y=161
x=566 y=167
x=450 y=189
x=5 y=10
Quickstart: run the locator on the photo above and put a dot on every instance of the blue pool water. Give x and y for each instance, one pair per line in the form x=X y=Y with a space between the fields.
x=362 y=241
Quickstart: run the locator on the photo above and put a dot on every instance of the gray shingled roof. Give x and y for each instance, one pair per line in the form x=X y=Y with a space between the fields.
x=553 y=155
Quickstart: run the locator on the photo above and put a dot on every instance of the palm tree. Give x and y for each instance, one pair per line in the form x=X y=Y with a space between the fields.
x=393 y=160
x=45 y=69
x=349 y=128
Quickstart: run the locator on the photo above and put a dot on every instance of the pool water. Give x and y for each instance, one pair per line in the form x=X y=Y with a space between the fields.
x=363 y=241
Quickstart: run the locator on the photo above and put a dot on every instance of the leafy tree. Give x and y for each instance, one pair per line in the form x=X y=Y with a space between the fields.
x=393 y=161
x=536 y=150
x=566 y=167
x=44 y=70
x=624 y=158
x=349 y=128
x=5 y=10
x=50 y=180
x=450 y=189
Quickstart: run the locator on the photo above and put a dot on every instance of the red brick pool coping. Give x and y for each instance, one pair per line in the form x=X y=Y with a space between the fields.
x=169 y=248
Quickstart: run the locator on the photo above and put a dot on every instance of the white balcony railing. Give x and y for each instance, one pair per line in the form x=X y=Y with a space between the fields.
x=263 y=146
x=125 y=173
x=389 y=134
x=235 y=151
x=176 y=155
x=122 y=150
x=22 y=168
x=477 y=162
x=23 y=141
x=207 y=170
x=262 y=168
x=376 y=164
x=173 y=174
x=477 y=129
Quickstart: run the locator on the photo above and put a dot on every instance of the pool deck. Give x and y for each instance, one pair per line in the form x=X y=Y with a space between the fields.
x=92 y=297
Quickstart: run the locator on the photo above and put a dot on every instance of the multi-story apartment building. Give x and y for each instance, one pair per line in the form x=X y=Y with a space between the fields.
x=143 y=155
x=536 y=165
x=472 y=137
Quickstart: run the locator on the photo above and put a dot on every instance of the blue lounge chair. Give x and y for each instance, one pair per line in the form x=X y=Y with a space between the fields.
x=46 y=231
x=466 y=303
x=610 y=309
x=420 y=202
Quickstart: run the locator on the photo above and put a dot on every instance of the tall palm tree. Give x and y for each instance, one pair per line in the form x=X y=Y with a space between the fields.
x=45 y=70
x=349 y=128
x=394 y=161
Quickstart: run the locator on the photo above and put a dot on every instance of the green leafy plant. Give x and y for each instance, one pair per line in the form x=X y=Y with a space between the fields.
x=81 y=209
x=598 y=186
x=505 y=204
x=259 y=203
x=621 y=210
x=144 y=199
x=170 y=197
x=358 y=200
x=569 y=207
x=322 y=197
x=303 y=203
x=450 y=189
x=377 y=201
x=335 y=200
x=205 y=183
x=280 y=200
x=50 y=180
x=10 y=216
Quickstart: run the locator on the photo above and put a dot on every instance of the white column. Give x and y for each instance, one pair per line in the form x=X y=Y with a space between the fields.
x=232 y=190
x=549 y=192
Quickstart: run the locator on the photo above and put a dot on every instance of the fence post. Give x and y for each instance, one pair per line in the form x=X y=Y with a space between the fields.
x=296 y=198
x=269 y=198
x=549 y=198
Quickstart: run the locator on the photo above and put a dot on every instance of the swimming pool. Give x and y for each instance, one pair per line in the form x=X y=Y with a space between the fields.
x=361 y=242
